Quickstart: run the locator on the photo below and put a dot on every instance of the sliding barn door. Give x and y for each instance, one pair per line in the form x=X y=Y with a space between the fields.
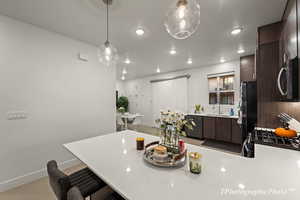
x=171 y=94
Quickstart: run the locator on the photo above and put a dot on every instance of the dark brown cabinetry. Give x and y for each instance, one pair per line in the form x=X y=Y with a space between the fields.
x=247 y=67
x=236 y=132
x=215 y=128
x=275 y=40
x=267 y=91
x=209 y=127
x=267 y=69
x=223 y=129
x=298 y=24
x=269 y=33
x=288 y=38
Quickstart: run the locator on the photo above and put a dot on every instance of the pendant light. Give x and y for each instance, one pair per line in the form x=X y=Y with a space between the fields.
x=107 y=53
x=183 y=18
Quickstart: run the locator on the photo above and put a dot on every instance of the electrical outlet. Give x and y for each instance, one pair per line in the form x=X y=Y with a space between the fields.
x=16 y=115
x=83 y=57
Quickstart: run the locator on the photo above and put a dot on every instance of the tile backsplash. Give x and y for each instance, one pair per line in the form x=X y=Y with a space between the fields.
x=224 y=109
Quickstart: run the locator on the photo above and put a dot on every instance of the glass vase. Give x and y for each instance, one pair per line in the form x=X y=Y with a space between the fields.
x=195 y=162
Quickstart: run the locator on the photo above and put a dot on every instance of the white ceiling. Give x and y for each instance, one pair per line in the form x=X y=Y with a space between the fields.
x=85 y=20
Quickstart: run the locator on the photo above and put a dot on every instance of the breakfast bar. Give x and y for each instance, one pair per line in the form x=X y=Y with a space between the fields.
x=273 y=174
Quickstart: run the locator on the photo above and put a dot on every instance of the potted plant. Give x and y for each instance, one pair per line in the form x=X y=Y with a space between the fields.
x=122 y=104
x=198 y=108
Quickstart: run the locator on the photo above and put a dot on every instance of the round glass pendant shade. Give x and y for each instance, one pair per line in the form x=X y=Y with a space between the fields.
x=108 y=54
x=183 y=18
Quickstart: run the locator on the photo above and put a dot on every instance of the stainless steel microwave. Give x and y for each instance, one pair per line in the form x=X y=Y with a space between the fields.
x=288 y=80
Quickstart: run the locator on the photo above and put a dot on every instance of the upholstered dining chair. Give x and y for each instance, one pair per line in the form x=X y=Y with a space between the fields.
x=74 y=194
x=85 y=180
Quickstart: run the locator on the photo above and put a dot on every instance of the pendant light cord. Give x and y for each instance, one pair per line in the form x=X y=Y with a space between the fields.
x=107 y=20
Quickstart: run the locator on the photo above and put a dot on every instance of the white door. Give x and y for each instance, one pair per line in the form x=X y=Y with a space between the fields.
x=170 y=95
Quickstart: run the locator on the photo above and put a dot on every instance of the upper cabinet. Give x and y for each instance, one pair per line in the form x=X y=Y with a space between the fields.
x=288 y=38
x=269 y=33
x=221 y=89
x=247 y=67
x=278 y=45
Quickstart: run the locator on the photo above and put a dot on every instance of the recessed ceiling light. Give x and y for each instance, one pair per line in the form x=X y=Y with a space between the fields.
x=124 y=71
x=223 y=169
x=128 y=169
x=124 y=151
x=127 y=61
x=173 y=52
x=222 y=60
x=241 y=51
x=139 y=31
x=123 y=78
x=236 y=31
x=190 y=61
x=241 y=186
x=158 y=70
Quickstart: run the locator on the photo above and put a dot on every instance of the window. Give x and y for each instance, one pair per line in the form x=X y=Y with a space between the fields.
x=221 y=89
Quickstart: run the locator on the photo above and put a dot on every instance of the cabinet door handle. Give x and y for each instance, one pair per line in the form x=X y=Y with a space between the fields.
x=278 y=81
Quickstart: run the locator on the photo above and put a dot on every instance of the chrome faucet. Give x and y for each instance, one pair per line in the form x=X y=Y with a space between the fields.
x=219 y=109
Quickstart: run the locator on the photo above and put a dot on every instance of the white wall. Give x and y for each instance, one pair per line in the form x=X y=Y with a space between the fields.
x=140 y=95
x=120 y=88
x=66 y=99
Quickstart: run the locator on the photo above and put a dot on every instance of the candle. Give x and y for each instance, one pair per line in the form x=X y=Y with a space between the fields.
x=181 y=145
x=140 y=143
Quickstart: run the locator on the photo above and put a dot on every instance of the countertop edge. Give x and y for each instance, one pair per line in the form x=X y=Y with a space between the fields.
x=210 y=115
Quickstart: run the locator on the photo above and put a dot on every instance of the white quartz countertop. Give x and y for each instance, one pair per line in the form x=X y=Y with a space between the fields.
x=273 y=175
x=214 y=115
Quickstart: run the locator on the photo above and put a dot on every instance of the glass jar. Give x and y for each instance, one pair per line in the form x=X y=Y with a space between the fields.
x=195 y=162
x=140 y=143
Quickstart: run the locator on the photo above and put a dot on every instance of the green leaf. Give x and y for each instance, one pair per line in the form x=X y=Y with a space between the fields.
x=123 y=102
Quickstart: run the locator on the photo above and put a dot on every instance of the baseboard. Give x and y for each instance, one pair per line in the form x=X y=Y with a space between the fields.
x=32 y=176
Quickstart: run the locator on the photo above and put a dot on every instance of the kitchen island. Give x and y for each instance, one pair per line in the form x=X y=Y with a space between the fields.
x=273 y=174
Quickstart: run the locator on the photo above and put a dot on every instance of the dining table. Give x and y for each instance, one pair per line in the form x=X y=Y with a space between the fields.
x=273 y=174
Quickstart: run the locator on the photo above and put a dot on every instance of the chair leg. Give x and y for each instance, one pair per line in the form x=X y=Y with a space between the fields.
x=93 y=197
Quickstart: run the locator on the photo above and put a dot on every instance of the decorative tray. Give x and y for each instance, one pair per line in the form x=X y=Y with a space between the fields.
x=173 y=160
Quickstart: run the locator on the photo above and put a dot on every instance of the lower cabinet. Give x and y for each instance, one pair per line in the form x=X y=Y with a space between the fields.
x=215 y=128
x=223 y=129
x=209 y=127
